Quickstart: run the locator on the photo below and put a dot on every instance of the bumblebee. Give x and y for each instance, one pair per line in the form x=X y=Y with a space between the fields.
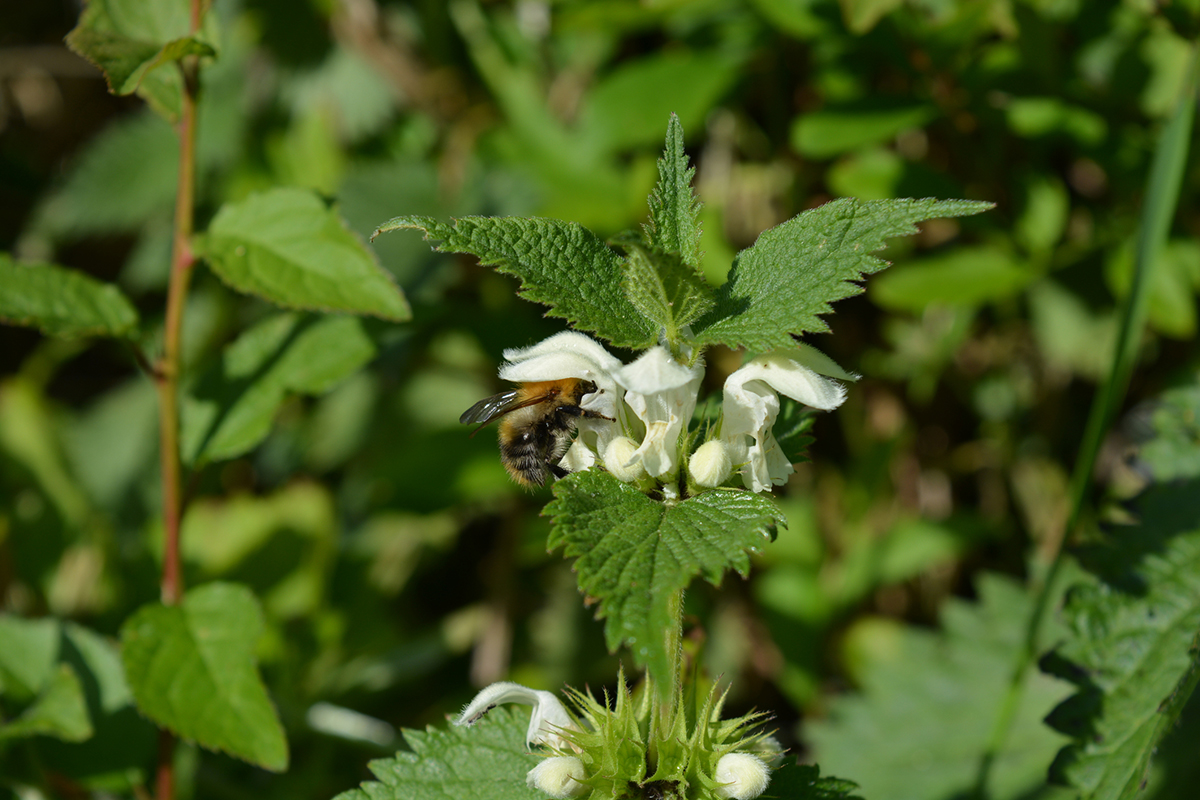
x=538 y=420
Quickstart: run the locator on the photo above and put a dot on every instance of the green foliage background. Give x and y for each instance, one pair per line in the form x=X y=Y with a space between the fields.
x=397 y=566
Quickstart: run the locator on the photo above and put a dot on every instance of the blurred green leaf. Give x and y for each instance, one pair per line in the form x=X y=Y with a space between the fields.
x=61 y=301
x=560 y=264
x=125 y=176
x=192 y=670
x=1069 y=334
x=232 y=405
x=862 y=15
x=1040 y=116
x=28 y=653
x=841 y=129
x=59 y=711
x=636 y=555
x=112 y=444
x=286 y=246
x=1131 y=647
x=1174 y=283
x=627 y=107
x=1172 y=454
x=940 y=691
x=1044 y=218
x=489 y=760
x=964 y=276
x=281 y=545
x=128 y=40
x=780 y=285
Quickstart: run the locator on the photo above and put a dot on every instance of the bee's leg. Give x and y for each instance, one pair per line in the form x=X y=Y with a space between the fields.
x=558 y=471
x=587 y=413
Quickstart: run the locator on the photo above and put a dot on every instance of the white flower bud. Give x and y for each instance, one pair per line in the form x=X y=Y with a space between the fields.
x=710 y=465
x=558 y=776
x=622 y=459
x=741 y=776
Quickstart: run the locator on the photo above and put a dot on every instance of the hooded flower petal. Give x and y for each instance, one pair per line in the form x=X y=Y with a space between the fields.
x=662 y=393
x=549 y=716
x=573 y=355
x=752 y=405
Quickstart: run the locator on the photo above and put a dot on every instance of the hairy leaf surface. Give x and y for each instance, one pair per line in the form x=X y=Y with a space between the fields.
x=487 y=760
x=560 y=264
x=783 y=283
x=636 y=554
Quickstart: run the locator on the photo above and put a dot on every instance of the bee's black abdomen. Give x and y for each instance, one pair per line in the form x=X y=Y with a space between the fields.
x=525 y=456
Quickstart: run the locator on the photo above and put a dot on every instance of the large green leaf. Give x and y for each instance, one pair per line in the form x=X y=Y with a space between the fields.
x=779 y=286
x=191 y=668
x=62 y=302
x=487 y=760
x=560 y=264
x=232 y=405
x=636 y=555
x=287 y=246
x=1132 y=648
x=928 y=702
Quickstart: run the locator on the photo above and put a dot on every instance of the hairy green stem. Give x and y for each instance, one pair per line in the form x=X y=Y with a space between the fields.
x=1162 y=196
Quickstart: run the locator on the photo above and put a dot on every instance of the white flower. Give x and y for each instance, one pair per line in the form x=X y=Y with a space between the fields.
x=620 y=458
x=741 y=776
x=710 y=465
x=548 y=720
x=558 y=776
x=751 y=406
x=662 y=393
x=573 y=355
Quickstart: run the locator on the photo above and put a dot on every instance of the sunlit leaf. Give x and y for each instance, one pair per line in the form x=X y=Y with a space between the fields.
x=286 y=246
x=192 y=670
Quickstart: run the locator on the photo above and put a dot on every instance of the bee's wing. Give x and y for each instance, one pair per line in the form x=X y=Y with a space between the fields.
x=489 y=408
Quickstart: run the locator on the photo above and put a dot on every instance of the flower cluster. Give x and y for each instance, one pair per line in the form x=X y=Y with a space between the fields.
x=651 y=402
x=608 y=748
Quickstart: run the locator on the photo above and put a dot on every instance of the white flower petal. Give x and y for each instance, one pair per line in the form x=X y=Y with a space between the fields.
x=751 y=407
x=548 y=718
x=742 y=776
x=558 y=776
x=662 y=393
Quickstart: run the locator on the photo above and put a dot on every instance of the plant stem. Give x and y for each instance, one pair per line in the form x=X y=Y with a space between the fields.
x=1162 y=196
x=168 y=370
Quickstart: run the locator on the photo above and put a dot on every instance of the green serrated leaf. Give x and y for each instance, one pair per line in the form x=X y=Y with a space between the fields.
x=781 y=284
x=128 y=40
x=636 y=554
x=666 y=291
x=561 y=264
x=233 y=403
x=286 y=246
x=191 y=669
x=61 y=301
x=487 y=760
x=928 y=701
x=674 y=226
x=1132 y=647
x=1173 y=454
